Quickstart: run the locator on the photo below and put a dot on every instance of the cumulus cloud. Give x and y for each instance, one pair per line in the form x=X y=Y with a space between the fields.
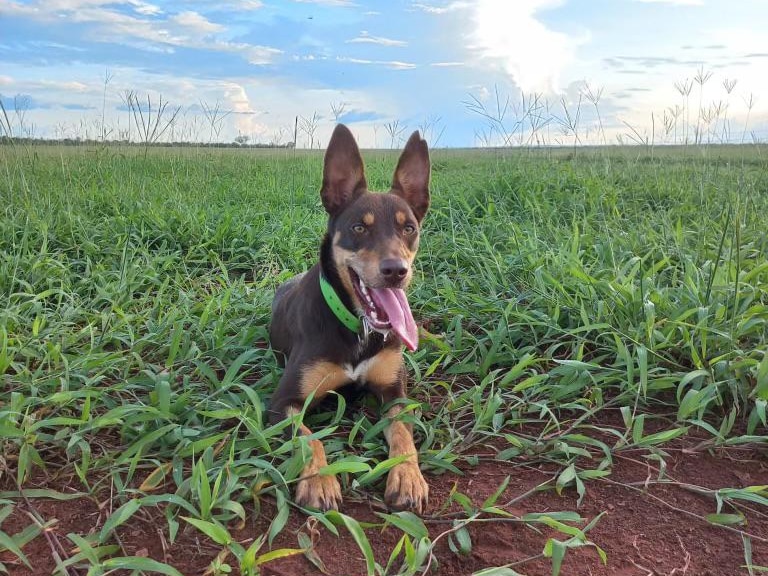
x=275 y=105
x=511 y=34
x=245 y=117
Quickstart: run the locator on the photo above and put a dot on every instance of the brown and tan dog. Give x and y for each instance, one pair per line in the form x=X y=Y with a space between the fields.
x=345 y=320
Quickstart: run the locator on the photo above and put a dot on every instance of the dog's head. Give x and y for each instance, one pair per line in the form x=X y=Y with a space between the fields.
x=374 y=237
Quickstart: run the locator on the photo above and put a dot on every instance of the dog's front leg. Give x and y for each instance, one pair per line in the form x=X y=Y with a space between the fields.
x=312 y=490
x=406 y=488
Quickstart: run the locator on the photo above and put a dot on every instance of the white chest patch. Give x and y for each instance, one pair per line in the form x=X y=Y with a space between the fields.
x=359 y=372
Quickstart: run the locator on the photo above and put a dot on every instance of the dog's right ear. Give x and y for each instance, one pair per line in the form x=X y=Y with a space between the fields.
x=343 y=172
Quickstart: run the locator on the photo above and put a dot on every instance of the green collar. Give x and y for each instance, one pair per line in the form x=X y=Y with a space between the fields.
x=341 y=312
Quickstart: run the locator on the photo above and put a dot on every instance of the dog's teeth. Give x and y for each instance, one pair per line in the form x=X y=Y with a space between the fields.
x=374 y=315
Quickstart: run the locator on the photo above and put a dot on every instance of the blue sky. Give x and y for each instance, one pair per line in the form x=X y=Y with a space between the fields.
x=394 y=67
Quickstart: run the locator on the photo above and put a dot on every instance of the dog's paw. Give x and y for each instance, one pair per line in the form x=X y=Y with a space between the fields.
x=406 y=488
x=320 y=492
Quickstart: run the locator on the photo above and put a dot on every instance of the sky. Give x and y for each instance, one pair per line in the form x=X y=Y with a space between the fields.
x=466 y=73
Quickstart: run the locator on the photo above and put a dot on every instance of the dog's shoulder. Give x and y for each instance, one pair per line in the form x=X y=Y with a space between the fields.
x=292 y=308
x=284 y=290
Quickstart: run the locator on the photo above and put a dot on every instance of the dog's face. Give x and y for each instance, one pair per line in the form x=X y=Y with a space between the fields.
x=376 y=239
x=375 y=236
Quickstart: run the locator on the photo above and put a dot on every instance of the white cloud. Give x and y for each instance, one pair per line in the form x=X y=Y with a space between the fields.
x=255 y=54
x=674 y=2
x=308 y=57
x=65 y=86
x=237 y=98
x=145 y=8
x=391 y=64
x=446 y=64
x=275 y=105
x=397 y=65
x=246 y=5
x=196 y=22
x=510 y=33
x=245 y=117
x=51 y=7
x=366 y=38
x=145 y=31
x=444 y=9
x=47 y=85
x=328 y=2
x=243 y=4
x=480 y=91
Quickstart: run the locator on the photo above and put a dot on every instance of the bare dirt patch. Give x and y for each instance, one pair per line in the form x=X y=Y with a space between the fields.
x=648 y=528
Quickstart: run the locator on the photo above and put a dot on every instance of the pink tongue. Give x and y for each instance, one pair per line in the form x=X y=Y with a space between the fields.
x=395 y=304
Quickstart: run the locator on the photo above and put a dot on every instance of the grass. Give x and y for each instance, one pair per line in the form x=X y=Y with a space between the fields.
x=553 y=285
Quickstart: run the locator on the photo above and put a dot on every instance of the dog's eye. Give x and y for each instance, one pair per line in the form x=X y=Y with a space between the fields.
x=409 y=229
x=358 y=228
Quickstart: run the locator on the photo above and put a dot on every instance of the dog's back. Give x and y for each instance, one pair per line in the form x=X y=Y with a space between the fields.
x=279 y=332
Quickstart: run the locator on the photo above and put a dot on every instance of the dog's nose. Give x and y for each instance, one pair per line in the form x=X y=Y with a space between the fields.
x=393 y=268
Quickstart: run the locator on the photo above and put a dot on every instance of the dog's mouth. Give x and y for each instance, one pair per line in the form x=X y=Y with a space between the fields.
x=387 y=309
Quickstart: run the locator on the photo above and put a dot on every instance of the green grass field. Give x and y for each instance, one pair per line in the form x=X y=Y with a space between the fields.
x=553 y=286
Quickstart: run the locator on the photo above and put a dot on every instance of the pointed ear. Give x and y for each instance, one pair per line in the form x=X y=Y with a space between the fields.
x=343 y=172
x=411 y=181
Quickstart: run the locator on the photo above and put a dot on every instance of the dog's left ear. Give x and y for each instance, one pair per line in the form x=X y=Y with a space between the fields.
x=411 y=181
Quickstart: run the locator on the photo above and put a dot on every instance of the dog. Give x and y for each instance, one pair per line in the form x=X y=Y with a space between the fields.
x=345 y=320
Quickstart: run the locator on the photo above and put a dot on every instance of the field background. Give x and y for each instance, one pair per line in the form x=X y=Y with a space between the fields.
x=580 y=306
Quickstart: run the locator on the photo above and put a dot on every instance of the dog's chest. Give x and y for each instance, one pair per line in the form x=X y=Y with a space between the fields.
x=381 y=371
x=359 y=372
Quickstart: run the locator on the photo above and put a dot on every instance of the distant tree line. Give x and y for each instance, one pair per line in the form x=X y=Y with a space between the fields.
x=237 y=143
